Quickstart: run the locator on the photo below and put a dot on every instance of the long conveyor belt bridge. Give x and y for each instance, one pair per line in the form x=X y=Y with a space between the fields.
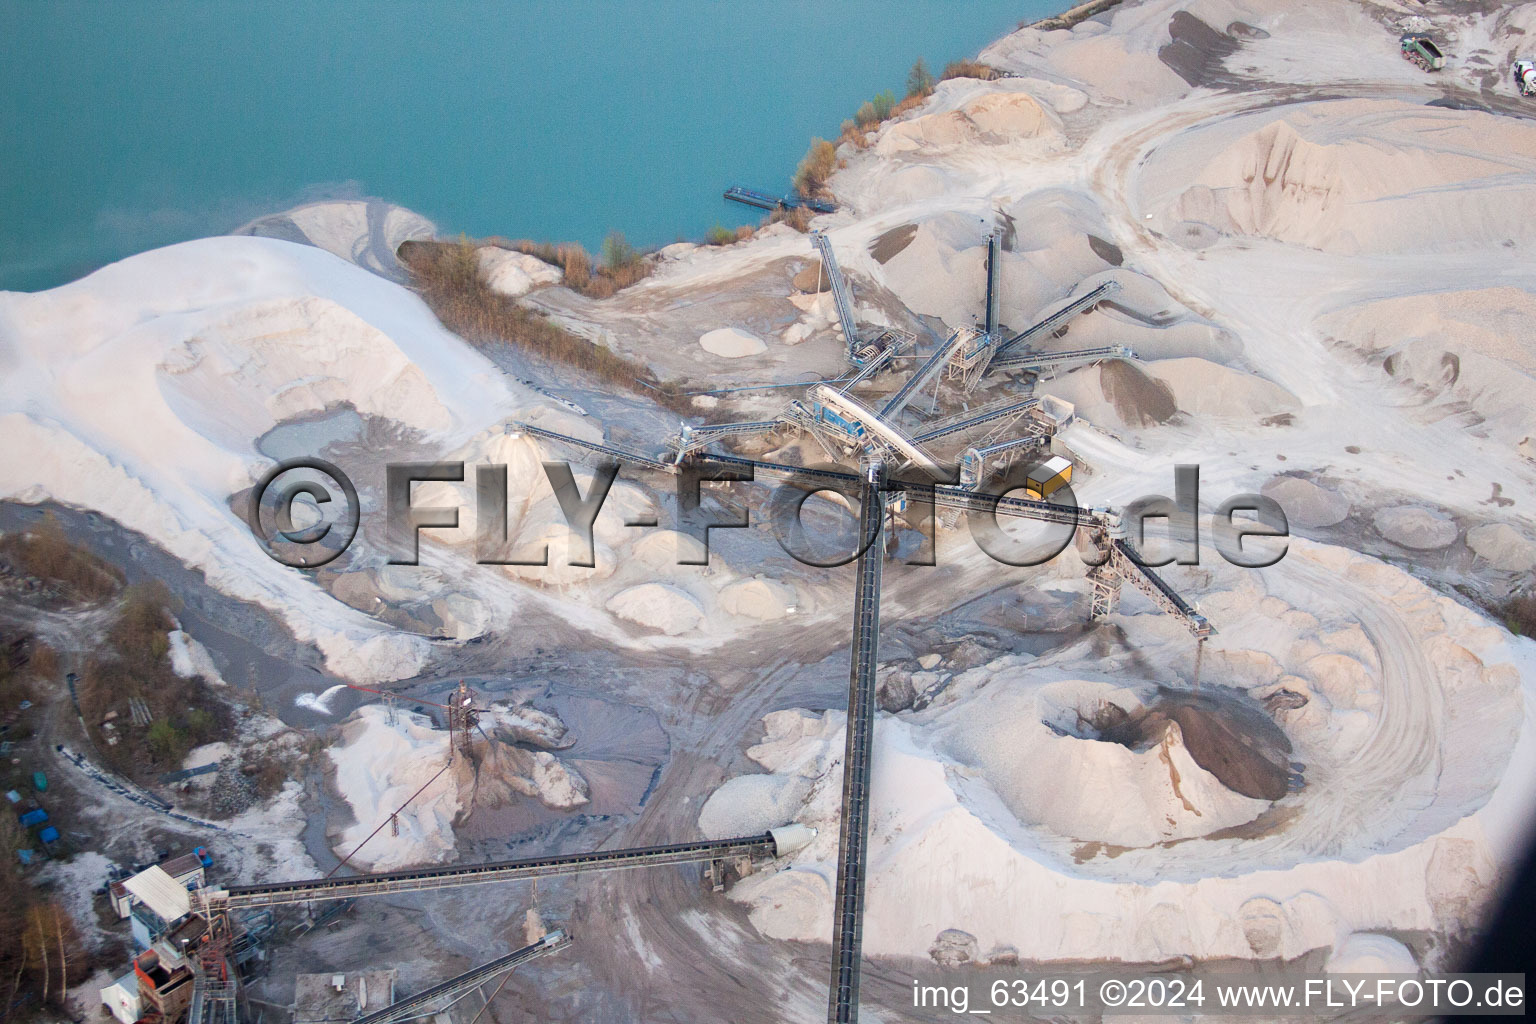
x=270 y=894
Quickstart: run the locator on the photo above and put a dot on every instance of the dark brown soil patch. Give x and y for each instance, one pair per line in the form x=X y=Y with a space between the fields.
x=892 y=242
x=1197 y=50
x=1140 y=400
x=1226 y=733
x=811 y=279
x=1107 y=251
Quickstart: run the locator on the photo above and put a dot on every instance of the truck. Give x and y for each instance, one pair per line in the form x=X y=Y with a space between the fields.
x=1524 y=73
x=1421 y=50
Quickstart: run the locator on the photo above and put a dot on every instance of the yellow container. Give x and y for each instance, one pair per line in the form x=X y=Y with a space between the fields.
x=1049 y=477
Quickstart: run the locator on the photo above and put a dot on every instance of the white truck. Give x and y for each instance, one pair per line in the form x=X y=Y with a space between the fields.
x=1524 y=73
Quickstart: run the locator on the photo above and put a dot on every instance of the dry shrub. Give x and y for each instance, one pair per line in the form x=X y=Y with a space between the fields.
x=72 y=573
x=16 y=653
x=920 y=81
x=447 y=274
x=40 y=950
x=133 y=661
x=43 y=664
x=269 y=771
x=969 y=69
x=797 y=217
x=816 y=168
x=622 y=265
x=1519 y=614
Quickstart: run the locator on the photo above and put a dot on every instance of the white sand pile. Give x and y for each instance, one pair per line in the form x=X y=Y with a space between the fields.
x=1358 y=176
x=537 y=530
x=658 y=606
x=1208 y=390
x=523 y=723
x=1116 y=394
x=462 y=617
x=365 y=232
x=1119 y=65
x=208 y=753
x=190 y=658
x=942 y=271
x=732 y=343
x=968 y=114
x=379 y=766
x=666 y=549
x=1503 y=547
x=752 y=804
x=1413 y=727
x=1472 y=347
x=1305 y=503
x=1365 y=953
x=1119 y=394
x=758 y=598
x=198 y=349
x=1033 y=747
x=1182 y=337
x=1412 y=526
x=514 y=273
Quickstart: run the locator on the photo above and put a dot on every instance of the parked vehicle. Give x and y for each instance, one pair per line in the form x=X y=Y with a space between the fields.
x=1524 y=74
x=1421 y=50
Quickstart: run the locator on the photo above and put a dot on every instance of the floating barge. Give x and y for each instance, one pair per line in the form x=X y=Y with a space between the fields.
x=765 y=201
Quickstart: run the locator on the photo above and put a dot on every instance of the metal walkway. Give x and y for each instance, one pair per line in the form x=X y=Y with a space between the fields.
x=418 y=879
x=853 y=839
x=1050 y=324
x=405 y=1009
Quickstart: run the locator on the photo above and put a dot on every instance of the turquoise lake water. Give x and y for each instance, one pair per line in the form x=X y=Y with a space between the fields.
x=129 y=125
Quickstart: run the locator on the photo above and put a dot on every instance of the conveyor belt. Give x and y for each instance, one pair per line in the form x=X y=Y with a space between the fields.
x=1013 y=443
x=975 y=418
x=853 y=839
x=1154 y=586
x=404 y=1009
x=922 y=375
x=1041 y=361
x=840 y=294
x=1050 y=323
x=418 y=879
x=693 y=439
x=830 y=476
x=939 y=495
x=874 y=366
x=621 y=454
x=994 y=251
